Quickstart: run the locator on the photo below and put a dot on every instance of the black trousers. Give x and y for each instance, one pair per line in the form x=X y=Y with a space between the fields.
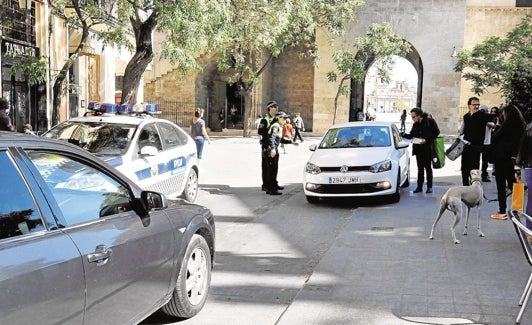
x=485 y=161
x=470 y=160
x=272 y=167
x=503 y=176
x=297 y=134
x=424 y=165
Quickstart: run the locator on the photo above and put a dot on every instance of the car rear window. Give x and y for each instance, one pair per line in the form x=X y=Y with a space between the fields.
x=99 y=138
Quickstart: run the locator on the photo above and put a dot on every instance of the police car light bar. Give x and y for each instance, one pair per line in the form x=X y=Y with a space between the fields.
x=109 y=108
x=125 y=109
x=152 y=109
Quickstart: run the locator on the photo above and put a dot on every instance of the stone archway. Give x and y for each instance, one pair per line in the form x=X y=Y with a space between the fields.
x=356 y=101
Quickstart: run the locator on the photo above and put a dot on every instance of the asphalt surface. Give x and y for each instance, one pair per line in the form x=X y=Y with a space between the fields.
x=380 y=269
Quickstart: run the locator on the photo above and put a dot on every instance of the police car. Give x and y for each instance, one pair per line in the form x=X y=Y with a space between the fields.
x=155 y=153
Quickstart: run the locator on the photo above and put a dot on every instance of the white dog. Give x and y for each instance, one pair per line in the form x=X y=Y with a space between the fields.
x=452 y=201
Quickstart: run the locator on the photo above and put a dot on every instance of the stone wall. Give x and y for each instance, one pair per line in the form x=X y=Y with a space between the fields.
x=432 y=28
x=480 y=23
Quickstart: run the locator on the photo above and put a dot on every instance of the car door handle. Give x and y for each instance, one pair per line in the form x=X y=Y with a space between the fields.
x=100 y=255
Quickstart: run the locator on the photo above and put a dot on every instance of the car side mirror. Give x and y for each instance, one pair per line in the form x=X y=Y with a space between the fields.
x=402 y=144
x=153 y=200
x=148 y=151
x=312 y=147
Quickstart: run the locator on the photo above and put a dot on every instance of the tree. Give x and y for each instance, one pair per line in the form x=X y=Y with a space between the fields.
x=81 y=19
x=192 y=26
x=380 y=43
x=502 y=65
x=261 y=30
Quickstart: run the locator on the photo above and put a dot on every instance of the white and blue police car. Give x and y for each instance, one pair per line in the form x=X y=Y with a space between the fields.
x=155 y=153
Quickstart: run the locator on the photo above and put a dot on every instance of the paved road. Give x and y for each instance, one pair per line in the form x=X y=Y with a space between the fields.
x=283 y=261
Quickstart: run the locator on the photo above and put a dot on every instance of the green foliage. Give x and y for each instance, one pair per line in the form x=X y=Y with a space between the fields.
x=34 y=69
x=501 y=64
x=261 y=30
x=379 y=44
x=192 y=27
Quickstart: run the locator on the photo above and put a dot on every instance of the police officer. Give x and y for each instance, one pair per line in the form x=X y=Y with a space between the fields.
x=264 y=132
x=272 y=153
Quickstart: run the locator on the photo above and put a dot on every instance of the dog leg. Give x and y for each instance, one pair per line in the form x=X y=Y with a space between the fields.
x=457 y=217
x=480 y=233
x=440 y=213
x=466 y=221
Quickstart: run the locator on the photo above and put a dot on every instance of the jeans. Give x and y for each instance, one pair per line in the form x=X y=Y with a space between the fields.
x=200 y=142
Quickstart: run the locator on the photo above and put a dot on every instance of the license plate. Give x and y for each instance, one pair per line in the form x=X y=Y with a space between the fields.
x=344 y=180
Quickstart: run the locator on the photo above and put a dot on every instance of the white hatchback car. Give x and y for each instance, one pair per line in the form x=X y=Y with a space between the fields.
x=155 y=153
x=358 y=159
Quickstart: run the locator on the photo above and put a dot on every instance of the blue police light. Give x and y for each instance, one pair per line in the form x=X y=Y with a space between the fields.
x=109 y=108
x=152 y=108
x=92 y=106
x=125 y=109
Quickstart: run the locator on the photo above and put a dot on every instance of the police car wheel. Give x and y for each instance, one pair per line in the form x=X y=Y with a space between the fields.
x=191 y=187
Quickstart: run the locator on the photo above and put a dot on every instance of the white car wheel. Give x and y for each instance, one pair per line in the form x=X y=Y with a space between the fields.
x=191 y=187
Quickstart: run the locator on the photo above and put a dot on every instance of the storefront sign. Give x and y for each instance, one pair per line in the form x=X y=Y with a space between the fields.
x=11 y=49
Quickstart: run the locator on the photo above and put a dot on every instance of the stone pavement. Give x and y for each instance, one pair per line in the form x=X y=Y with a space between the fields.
x=383 y=269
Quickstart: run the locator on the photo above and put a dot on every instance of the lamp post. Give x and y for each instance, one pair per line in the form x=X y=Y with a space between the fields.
x=24 y=4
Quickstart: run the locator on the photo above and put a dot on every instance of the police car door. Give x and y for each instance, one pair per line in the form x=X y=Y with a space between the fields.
x=149 y=155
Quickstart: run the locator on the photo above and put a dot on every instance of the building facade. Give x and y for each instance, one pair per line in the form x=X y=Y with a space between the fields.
x=28 y=28
x=433 y=28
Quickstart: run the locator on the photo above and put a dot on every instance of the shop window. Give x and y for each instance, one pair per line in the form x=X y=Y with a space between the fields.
x=18 y=23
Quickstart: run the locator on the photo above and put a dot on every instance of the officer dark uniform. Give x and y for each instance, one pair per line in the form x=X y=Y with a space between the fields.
x=264 y=132
x=272 y=155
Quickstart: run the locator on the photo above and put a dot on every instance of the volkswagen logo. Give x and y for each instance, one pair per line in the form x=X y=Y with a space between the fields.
x=344 y=169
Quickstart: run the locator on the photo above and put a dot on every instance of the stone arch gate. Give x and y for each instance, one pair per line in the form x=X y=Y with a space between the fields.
x=356 y=103
x=433 y=28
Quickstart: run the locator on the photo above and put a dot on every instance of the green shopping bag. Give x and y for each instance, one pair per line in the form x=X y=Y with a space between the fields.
x=438 y=153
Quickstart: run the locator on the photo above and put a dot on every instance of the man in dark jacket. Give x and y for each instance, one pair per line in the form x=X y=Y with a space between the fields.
x=424 y=131
x=475 y=122
x=5 y=121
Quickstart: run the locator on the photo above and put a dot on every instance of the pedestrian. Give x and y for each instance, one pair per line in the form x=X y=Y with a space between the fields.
x=263 y=131
x=233 y=115
x=487 y=140
x=288 y=134
x=198 y=131
x=28 y=129
x=299 y=126
x=524 y=160
x=257 y=121
x=505 y=146
x=5 y=120
x=403 y=121
x=474 y=131
x=423 y=133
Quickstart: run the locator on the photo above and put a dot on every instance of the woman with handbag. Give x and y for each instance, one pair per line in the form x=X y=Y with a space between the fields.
x=505 y=146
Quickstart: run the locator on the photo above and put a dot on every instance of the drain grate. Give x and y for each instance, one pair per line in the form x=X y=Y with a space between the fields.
x=382 y=229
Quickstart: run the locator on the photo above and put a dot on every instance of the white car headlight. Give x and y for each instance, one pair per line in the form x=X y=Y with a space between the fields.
x=312 y=169
x=381 y=166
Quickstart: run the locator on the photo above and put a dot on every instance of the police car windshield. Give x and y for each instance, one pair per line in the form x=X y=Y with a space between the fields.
x=100 y=138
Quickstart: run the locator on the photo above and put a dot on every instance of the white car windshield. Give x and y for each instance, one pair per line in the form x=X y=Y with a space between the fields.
x=356 y=137
x=99 y=138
